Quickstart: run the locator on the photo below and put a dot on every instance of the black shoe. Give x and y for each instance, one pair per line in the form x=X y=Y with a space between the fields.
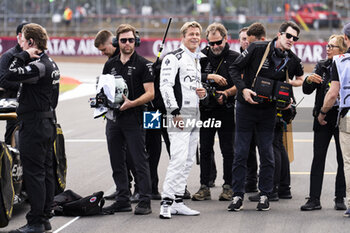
x=156 y=196
x=187 y=194
x=256 y=197
x=285 y=195
x=263 y=204
x=135 y=198
x=311 y=204
x=47 y=226
x=143 y=208
x=35 y=228
x=111 y=196
x=236 y=204
x=251 y=188
x=118 y=206
x=339 y=203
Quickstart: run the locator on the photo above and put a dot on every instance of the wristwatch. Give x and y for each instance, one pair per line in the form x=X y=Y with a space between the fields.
x=323 y=113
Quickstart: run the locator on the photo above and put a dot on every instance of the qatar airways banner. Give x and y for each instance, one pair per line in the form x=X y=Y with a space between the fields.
x=309 y=52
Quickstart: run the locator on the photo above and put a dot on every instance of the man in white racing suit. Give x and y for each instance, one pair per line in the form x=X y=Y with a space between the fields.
x=180 y=86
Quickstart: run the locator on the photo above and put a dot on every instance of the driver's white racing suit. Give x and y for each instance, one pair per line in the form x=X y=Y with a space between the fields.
x=180 y=76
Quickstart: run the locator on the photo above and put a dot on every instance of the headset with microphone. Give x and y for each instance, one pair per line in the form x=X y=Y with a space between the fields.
x=115 y=40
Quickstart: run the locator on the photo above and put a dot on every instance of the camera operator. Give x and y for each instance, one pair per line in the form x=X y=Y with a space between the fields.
x=38 y=97
x=11 y=88
x=320 y=81
x=260 y=116
x=180 y=86
x=127 y=126
x=214 y=65
x=256 y=32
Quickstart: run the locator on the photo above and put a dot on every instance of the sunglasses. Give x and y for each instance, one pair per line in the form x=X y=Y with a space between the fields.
x=330 y=46
x=288 y=35
x=124 y=40
x=212 y=43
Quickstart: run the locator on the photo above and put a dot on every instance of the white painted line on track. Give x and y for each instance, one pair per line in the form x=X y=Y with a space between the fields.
x=308 y=173
x=85 y=140
x=66 y=225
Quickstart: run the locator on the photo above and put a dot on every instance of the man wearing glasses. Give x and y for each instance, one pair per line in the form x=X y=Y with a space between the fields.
x=127 y=126
x=260 y=116
x=214 y=66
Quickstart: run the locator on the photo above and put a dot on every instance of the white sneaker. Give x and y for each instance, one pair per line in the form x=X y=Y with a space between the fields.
x=165 y=210
x=179 y=208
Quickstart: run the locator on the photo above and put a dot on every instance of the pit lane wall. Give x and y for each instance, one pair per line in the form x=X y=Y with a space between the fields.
x=309 y=52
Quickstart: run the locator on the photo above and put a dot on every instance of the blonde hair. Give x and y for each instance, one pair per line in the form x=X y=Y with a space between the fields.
x=187 y=25
x=340 y=42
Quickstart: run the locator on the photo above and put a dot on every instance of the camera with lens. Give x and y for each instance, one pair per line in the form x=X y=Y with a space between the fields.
x=212 y=91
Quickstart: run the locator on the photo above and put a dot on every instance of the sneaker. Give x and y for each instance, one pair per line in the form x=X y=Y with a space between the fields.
x=118 y=206
x=143 y=208
x=226 y=194
x=256 y=197
x=311 y=204
x=236 y=204
x=165 y=207
x=187 y=194
x=35 y=228
x=202 y=194
x=179 y=208
x=111 y=196
x=263 y=204
x=135 y=198
x=339 y=203
x=47 y=226
x=347 y=213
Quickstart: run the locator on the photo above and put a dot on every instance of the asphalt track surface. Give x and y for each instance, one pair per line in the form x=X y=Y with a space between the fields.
x=89 y=171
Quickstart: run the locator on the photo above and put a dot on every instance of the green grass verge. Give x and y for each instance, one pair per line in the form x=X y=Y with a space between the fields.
x=67 y=87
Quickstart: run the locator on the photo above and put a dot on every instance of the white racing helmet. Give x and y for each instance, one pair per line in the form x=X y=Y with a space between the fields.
x=120 y=88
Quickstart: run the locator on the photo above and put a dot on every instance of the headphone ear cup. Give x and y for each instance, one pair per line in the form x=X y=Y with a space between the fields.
x=137 y=39
x=115 y=42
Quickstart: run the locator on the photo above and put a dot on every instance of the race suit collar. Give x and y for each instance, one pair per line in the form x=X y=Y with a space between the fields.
x=195 y=55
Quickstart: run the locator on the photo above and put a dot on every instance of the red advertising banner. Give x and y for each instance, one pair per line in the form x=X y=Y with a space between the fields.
x=308 y=52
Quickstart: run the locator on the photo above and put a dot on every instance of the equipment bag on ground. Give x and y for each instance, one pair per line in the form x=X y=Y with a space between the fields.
x=69 y=203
